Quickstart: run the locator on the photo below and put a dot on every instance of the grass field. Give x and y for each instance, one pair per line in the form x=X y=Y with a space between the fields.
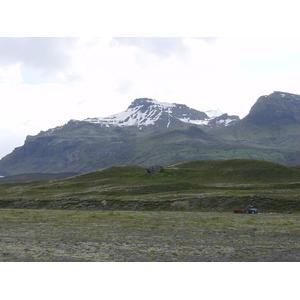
x=184 y=213
x=98 y=236
x=198 y=185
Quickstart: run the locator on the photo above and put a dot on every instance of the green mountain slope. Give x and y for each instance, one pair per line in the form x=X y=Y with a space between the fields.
x=270 y=132
x=273 y=121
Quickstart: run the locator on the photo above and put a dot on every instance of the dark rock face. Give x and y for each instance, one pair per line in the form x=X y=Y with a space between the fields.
x=155 y=169
x=277 y=107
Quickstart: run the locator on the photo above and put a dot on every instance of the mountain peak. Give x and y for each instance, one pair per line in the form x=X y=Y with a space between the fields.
x=149 y=102
x=274 y=108
x=284 y=95
x=145 y=111
x=91 y=144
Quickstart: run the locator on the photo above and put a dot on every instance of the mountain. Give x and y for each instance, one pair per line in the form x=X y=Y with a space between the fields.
x=150 y=132
x=84 y=146
x=273 y=121
x=275 y=109
x=145 y=112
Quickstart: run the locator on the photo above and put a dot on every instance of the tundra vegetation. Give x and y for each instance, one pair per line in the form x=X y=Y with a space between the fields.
x=184 y=213
x=118 y=236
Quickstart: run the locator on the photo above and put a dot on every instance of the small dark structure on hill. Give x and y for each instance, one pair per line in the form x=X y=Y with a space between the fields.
x=155 y=169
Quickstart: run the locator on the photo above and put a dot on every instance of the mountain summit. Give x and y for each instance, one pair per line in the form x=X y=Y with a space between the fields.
x=277 y=107
x=144 y=112
x=150 y=132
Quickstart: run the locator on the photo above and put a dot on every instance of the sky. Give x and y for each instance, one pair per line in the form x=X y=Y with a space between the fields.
x=163 y=51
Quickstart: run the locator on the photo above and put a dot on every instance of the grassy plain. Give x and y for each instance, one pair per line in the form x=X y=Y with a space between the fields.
x=181 y=214
x=98 y=236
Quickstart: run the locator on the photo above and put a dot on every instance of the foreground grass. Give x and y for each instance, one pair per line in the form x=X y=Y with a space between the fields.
x=62 y=235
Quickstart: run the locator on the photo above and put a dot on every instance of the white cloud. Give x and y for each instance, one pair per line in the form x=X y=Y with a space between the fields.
x=159 y=46
x=11 y=74
x=41 y=59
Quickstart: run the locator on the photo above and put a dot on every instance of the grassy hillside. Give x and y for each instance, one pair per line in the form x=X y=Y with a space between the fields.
x=238 y=171
x=222 y=184
x=35 y=176
x=91 y=147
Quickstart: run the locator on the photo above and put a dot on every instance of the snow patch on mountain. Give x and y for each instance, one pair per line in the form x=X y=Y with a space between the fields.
x=129 y=117
x=214 y=113
x=163 y=105
x=142 y=112
x=192 y=121
x=145 y=112
x=226 y=122
x=51 y=130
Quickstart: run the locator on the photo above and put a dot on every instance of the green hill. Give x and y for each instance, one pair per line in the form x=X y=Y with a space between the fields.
x=219 y=184
x=239 y=171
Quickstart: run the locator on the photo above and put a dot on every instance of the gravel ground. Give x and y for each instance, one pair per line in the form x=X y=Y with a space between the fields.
x=99 y=236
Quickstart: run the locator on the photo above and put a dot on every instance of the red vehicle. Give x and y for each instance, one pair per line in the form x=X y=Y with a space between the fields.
x=249 y=210
x=240 y=210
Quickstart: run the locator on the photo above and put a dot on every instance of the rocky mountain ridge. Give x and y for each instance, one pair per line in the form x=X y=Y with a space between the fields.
x=146 y=112
x=274 y=109
x=151 y=132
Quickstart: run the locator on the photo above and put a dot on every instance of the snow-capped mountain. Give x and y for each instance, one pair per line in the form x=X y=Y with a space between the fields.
x=145 y=112
x=149 y=132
